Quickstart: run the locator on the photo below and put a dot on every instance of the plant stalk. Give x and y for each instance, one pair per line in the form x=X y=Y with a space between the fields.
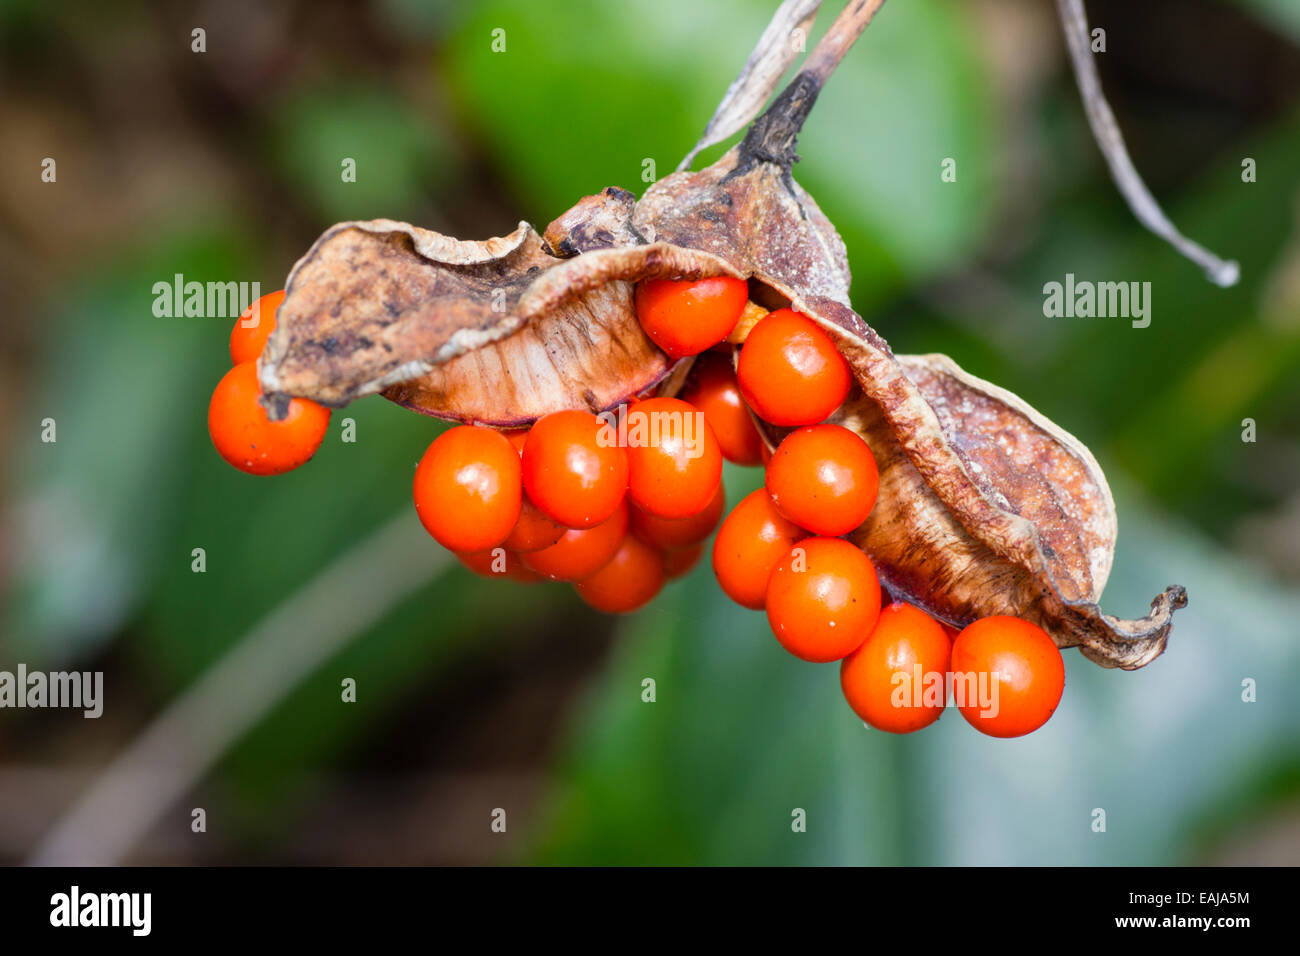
x=772 y=137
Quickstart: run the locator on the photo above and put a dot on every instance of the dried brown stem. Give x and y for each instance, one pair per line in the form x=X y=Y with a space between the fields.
x=772 y=56
x=830 y=50
x=772 y=137
x=1105 y=129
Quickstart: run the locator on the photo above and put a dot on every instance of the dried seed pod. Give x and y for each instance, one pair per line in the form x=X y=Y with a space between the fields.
x=501 y=331
x=985 y=507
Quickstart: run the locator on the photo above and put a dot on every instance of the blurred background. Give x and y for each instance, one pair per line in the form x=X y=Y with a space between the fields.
x=222 y=688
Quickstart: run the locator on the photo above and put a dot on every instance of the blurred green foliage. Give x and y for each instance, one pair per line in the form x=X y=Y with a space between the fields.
x=740 y=735
x=355 y=119
x=579 y=102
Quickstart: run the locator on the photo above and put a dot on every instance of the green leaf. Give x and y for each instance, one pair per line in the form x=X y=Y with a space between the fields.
x=398 y=154
x=120 y=384
x=587 y=93
x=1282 y=14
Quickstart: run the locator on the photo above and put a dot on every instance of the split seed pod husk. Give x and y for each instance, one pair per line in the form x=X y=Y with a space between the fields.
x=985 y=506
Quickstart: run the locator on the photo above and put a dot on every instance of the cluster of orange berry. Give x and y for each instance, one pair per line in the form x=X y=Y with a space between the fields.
x=240 y=428
x=618 y=504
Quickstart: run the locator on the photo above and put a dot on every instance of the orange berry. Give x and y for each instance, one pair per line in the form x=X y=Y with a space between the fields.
x=580 y=553
x=752 y=539
x=534 y=530
x=670 y=534
x=713 y=390
x=897 y=679
x=823 y=478
x=674 y=463
x=498 y=563
x=822 y=599
x=468 y=489
x=573 y=468
x=248 y=439
x=1007 y=676
x=684 y=317
x=680 y=561
x=628 y=581
x=247 y=341
x=790 y=371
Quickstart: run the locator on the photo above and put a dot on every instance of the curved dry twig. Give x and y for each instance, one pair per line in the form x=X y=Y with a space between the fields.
x=1074 y=21
x=191 y=735
x=772 y=56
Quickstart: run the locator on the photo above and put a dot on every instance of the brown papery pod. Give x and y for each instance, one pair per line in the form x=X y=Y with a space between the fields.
x=985 y=506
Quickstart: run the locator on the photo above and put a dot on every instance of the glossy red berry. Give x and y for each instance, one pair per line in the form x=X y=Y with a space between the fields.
x=674 y=463
x=574 y=469
x=822 y=599
x=670 y=534
x=823 y=478
x=686 y=317
x=499 y=563
x=467 y=489
x=790 y=371
x=750 y=542
x=714 y=391
x=629 y=580
x=897 y=679
x=679 y=563
x=580 y=553
x=253 y=328
x=1008 y=676
x=247 y=438
x=535 y=529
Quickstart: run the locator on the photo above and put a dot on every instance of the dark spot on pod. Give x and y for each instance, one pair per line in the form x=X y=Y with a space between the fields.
x=276 y=405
